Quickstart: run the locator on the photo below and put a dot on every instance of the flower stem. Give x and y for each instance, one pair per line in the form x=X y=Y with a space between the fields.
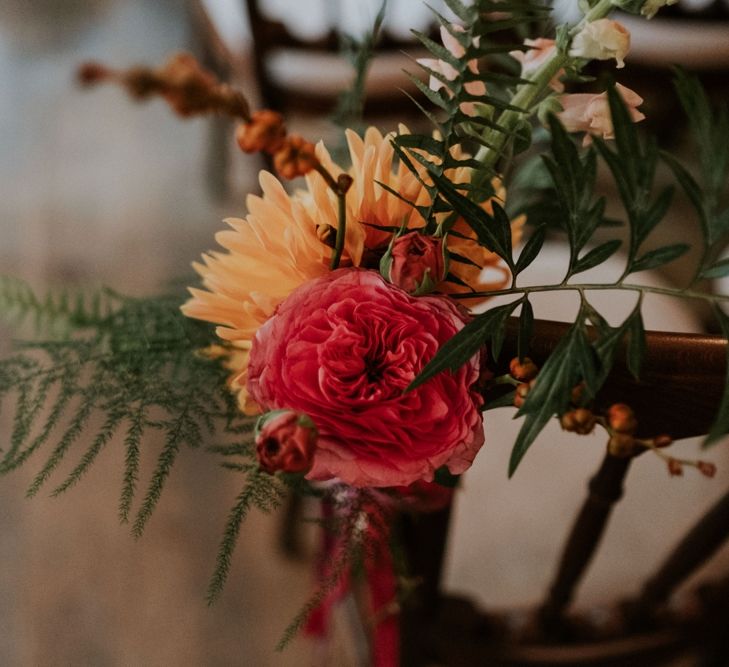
x=341 y=229
x=339 y=186
x=527 y=94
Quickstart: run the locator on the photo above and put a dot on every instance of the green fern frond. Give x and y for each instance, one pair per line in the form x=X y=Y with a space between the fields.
x=261 y=491
x=58 y=312
x=125 y=363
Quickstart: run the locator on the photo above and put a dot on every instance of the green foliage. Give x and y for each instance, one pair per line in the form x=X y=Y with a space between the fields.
x=57 y=313
x=261 y=491
x=458 y=133
x=633 y=166
x=359 y=52
x=707 y=194
x=574 y=184
x=126 y=367
x=587 y=353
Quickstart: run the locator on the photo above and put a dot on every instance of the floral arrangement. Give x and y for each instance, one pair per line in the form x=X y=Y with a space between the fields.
x=345 y=361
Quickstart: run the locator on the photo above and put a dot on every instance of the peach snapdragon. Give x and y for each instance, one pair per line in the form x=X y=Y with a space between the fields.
x=601 y=40
x=540 y=51
x=590 y=113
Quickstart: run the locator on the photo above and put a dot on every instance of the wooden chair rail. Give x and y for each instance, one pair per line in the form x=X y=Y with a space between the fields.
x=681 y=383
x=680 y=388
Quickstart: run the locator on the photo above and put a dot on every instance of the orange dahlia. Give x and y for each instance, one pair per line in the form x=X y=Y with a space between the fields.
x=372 y=206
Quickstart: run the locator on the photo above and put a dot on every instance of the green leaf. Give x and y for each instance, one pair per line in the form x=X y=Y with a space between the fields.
x=658 y=257
x=531 y=249
x=431 y=94
x=551 y=392
x=636 y=343
x=476 y=218
x=502 y=226
x=526 y=328
x=420 y=141
x=460 y=10
x=718 y=270
x=467 y=342
x=626 y=135
x=595 y=256
x=647 y=220
x=690 y=187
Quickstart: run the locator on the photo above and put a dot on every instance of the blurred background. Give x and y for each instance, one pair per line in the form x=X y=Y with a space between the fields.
x=97 y=190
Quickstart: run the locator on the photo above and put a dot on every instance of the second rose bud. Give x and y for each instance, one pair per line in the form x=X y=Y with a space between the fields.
x=415 y=263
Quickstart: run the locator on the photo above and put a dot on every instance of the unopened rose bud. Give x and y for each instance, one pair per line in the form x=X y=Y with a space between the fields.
x=705 y=468
x=265 y=132
x=621 y=445
x=523 y=370
x=522 y=391
x=296 y=157
x=285 y=441
x=675 y=467
x=415 y=263
x=621 y=418
x=580 y=421
x=662 y=440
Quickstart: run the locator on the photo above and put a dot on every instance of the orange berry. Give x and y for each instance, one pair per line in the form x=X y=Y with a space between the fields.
x=523 y=370
x=706 y=468
x=522 y=391
x=580 y=421
x=675 y=468
x=621 y=418
x=296 y=157
x=265 y=132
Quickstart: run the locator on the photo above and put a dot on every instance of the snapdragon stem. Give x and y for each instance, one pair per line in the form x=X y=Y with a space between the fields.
x=529 y=93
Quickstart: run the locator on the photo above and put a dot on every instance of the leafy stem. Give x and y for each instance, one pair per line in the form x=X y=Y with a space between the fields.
x=582 y=287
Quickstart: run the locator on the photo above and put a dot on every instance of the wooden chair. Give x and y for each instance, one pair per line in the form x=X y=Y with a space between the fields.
x=294 y=75
x=680 y=390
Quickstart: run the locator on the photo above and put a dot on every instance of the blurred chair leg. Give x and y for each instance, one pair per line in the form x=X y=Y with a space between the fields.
x=289 y=537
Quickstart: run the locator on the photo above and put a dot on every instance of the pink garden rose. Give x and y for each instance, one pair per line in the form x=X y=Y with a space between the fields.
x=285 y=441
x=342 y=349
x=416 y=263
